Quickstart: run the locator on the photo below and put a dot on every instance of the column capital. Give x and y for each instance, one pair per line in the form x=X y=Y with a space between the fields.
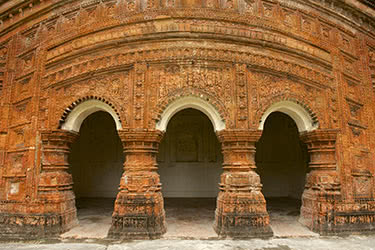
x=58 y=137
x=327 y=136
x=238 y=147
x=55 y=148
x=240 y=135
x=144 y=135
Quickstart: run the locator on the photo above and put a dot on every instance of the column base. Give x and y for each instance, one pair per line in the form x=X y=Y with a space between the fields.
x=327 y=214
x=341 y=223
x=138 y=217
x=242 y=216
x=35 y=226
x=352 y=222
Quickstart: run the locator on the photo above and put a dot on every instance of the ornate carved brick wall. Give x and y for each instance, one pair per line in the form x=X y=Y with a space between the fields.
x=313 y=60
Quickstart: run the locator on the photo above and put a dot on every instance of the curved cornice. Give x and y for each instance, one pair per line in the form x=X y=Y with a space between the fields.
x=358 y=15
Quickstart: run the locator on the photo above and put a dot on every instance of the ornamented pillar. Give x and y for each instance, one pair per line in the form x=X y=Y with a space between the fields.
x=55 y=183
x=241 y=207
x=322 y=189
x=139 y=207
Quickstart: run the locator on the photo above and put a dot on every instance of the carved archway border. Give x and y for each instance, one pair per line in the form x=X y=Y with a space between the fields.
x=211 y=100
x=292 y=99
x=79 y=101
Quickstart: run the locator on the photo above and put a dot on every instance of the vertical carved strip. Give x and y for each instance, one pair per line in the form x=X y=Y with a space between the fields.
x=242 y=96
x=139 y=98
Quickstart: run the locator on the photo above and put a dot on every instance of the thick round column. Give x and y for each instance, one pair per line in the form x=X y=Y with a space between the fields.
x=241 y=207
x=139 y=207
x=55 y=187
x=322 y=189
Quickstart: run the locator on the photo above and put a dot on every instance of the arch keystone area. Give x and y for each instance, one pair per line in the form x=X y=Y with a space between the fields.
x=298 y=113
x=195 y=103
x=75 y=118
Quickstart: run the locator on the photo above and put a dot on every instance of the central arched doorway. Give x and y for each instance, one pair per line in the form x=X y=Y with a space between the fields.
x=282 y=163
x=96 y=164
x=190 y=164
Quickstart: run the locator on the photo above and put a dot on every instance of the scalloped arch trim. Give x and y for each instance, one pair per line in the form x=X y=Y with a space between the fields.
x=78 y=111
x=303 y=117
x=190 y=102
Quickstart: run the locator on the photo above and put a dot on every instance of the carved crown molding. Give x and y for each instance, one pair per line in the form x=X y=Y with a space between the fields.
x=18 y=15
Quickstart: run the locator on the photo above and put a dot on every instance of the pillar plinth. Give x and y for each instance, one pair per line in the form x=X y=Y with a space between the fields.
x=322 y=189
x=55 y=188
x=241 y=207
x=139 y=207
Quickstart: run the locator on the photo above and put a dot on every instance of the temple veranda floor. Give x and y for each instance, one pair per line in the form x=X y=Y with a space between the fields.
x=186 y=218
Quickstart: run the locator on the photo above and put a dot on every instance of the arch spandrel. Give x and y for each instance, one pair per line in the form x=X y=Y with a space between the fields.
x=191 y=102
x=74 y=119
x=303 y=119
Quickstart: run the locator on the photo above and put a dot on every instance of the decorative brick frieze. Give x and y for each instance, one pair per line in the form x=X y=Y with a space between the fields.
x=261 y=61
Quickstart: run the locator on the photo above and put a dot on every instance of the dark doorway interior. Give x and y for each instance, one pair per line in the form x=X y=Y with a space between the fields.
x=96 y=162
x=281 y=161
x=190 y=165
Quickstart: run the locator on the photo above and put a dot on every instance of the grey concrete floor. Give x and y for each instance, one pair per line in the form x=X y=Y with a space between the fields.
x=284 y=214
x=317 y=243
x=94 y=218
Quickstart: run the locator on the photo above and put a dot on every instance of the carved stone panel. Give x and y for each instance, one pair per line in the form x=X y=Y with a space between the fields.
x=362 y=183
x=114 y=88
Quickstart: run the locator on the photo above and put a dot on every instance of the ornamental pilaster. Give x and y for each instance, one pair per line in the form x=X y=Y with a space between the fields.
x=139 y=207
x=241 y=207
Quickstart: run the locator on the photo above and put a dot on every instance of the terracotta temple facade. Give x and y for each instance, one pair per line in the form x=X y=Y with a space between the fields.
x=143 y=61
